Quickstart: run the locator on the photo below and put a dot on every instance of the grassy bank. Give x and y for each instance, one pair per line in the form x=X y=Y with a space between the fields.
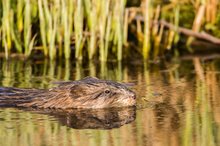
x=100 y=29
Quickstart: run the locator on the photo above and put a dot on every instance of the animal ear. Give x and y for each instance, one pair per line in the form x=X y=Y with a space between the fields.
x=77 y=91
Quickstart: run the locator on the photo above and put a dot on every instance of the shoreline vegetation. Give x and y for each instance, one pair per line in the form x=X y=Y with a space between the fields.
x=105 y=30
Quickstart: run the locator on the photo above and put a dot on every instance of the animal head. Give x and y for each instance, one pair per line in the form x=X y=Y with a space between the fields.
x=95 y=93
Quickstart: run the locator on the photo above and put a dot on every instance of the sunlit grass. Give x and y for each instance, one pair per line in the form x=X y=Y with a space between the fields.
x=96 y=29
x=5 y=27
x=78 y=29
x=146 y=8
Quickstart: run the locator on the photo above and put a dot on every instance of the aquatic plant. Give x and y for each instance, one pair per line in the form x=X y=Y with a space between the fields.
x=99 y=29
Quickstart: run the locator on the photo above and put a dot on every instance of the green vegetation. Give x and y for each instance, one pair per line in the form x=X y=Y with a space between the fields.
x=100 y=29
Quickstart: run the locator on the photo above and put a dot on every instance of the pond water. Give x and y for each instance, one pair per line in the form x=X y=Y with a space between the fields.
x=176 y=105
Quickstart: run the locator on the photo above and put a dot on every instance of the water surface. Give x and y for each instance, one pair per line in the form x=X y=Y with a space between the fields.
x=177 y=105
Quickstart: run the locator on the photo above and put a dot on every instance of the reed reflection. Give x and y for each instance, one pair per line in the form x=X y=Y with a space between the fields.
x=177 y=104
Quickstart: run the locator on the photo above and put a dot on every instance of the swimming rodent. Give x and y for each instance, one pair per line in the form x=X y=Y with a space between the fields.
x=89 y=92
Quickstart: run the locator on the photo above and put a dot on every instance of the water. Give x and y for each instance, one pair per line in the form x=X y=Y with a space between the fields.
x=177 y=105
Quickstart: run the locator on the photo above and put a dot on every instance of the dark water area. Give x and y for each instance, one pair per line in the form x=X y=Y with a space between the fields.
x=177 y=104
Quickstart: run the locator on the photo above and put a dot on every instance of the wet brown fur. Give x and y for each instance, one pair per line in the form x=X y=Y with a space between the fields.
x=86 y=93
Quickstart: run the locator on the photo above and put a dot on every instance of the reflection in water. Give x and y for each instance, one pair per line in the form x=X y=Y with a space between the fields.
x=94 y=118
x=165 y=111
x=177 y=105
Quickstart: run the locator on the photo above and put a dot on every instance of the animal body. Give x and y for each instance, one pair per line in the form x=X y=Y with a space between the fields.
x=86 y=93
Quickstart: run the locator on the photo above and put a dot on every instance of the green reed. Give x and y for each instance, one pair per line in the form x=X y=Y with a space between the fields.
x=78 y=29
x=96 y=29
x=147 y=20
x=91 y=11
x=5 y=27
x=104 y=29
x=67 y=21
x=61 y=25
x=48 y=26
x=118 y=27
x=28 y=38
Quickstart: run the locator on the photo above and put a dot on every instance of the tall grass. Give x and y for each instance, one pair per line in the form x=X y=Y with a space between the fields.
x=146 y=9
x=5 y=27
x=95 y=28
x=28 y=37
x=89 y=24
x=92 y=11
x=105 y=21
x=67 y=21
x=48 y=25
x=78 y=29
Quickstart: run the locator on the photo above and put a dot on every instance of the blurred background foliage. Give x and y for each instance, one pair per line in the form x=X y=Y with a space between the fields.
x=104 y=30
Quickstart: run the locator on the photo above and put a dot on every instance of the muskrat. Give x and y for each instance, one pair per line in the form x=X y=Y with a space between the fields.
x=89 y=92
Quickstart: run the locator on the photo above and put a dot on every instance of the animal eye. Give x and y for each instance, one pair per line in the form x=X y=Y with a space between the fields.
x=107 y=91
